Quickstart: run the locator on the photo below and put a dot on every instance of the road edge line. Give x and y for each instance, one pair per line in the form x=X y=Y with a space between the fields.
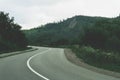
x=31 y=69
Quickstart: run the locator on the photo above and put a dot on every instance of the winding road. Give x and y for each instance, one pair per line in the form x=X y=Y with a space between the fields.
x=45 y=64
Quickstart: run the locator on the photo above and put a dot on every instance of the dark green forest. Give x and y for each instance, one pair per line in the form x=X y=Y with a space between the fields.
x=66 y=32
x=11 y=37
x=98 y=32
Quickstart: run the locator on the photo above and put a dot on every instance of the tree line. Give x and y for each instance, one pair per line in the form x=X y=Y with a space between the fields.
x=105 y=34
x=98 y=32
x=60 y=33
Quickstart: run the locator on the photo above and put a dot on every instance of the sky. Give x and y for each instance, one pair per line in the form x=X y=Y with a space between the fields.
x=33 y=13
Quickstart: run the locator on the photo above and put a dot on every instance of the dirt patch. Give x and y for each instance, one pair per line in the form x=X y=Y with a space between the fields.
x=73 y=58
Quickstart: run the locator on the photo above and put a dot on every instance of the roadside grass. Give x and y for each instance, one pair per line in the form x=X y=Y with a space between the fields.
x=103 y=59
x=14 y=50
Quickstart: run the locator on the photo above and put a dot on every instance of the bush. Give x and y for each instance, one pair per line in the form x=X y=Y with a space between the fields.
x=91 y=55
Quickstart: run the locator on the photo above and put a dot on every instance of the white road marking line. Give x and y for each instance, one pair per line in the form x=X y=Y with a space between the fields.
x=28 y=65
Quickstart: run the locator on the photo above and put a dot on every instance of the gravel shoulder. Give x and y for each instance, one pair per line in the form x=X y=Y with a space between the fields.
x=73 y=58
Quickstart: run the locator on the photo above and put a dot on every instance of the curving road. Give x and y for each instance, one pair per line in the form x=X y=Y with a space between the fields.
x=45 y=64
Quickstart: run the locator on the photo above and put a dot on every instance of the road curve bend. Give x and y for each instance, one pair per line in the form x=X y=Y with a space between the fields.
x=45 y=64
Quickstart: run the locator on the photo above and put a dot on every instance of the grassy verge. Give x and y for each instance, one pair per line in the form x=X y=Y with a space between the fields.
x=14 y=50
x=98 y=58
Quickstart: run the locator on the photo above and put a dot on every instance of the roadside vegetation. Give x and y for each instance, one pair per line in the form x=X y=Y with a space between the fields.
x=98 y=58
x=100 y=45
x=11 y=37
x=97 y=39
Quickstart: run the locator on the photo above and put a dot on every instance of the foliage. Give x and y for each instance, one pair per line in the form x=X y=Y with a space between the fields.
x=99 y=58
x=10 y=35
x=66 y=32
x=105 y=34
x=97 y=32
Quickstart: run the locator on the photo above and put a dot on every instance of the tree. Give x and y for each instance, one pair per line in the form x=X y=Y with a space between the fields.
x=95 y=37
x=11 y=37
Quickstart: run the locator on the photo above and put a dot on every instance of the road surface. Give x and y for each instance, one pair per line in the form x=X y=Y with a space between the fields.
x=45 y=64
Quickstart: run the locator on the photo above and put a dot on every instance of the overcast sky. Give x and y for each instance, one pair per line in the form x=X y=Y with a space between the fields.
x=33 y=13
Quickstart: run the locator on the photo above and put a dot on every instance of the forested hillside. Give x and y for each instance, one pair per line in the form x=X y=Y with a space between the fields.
x=66 y=32
x=11 y=37
x=98 y=32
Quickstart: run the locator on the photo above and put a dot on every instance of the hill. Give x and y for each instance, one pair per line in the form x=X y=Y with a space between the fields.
x=66 y=32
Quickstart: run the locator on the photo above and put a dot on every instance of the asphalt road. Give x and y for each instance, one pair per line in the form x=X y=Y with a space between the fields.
x=45 y=64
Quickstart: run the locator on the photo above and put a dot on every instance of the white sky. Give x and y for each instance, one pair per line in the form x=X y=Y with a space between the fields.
x=33 y=13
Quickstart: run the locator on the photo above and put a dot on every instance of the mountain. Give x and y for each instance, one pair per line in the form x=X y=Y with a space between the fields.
x=66 y=32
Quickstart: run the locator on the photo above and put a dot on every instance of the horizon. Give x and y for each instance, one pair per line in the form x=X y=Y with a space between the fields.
x=33 y=13
x=66 y=19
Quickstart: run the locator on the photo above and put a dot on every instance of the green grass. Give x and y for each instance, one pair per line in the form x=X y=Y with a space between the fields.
x=98 y=58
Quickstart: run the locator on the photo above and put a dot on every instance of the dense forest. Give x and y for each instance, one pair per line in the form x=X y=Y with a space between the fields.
x=66 y=32
x=11 y=37
x=98 y=32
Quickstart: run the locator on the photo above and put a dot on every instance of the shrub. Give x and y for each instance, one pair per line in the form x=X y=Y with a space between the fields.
x=89 y=54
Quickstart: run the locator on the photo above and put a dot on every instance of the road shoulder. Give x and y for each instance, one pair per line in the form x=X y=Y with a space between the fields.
x=73 y=58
